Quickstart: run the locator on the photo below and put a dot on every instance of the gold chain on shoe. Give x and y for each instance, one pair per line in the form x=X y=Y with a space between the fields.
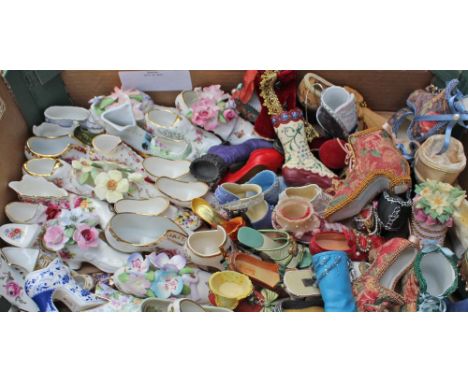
x=267 y=92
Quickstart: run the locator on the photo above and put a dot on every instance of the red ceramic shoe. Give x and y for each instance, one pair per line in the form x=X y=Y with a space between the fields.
x=260 y=159
x=356 y=245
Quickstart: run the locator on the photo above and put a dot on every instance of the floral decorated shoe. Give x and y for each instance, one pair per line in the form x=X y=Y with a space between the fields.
x=433 y=208
x=154 y=304
x=34 y=189
x=215 y=111
x=117 y=301
x=12 y=285
x=162 y=276
x=20 y=235
x=25 y=213
x=374 y=165
x=300 y=167
x=375 y=290
x=54 y=283
x=65 y=147
x=179 y=127
x=66 y=116
x=437 y=274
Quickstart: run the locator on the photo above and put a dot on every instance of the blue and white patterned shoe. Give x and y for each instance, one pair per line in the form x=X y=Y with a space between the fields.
x=56 y=283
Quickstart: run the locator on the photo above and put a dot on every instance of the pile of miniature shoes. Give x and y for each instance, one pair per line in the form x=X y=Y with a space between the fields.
x=241 y=202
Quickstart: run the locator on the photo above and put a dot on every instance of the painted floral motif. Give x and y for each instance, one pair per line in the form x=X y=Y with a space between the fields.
x=167 y=284
x=13 y=291
x=117 y=301
x=370 y=295
x=14 y=233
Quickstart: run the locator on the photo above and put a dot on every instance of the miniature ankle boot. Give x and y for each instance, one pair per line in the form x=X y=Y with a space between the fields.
x=332 y=272
x=374 y=165
x=300 y=167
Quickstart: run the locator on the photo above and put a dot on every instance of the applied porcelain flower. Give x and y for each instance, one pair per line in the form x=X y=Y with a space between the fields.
x=55 y=238
x=82 y=165
x=136 y=262
x=77 y=216
x=166 y=263
x=86 y=236
x=167 y=284
x=136 y=177
x=229 y=115
x=205 y=113
x=438 y=202
x=213 y=92
x=110 y=186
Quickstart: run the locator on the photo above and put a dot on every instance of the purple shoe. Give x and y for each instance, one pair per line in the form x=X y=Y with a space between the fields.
x=211 y=167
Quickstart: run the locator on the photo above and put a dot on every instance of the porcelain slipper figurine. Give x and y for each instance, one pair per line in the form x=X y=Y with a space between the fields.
x=181 y=193
x=179 y=127
x=52 y=130
x=131 y=233
x=178 y=305
x=374 y=165
x=208 y=249
x=66 y=116
x=215 y=110
x=263 y=273
x=54 y=283
x=173 y=169
x=12 y=286
x=65 y=147
x=33 y=189
x=20 y=235
x=301 y=283
x=313 y=193
x=24 y=258
x=229 y=288
x=238 y=197
x=116 y=301
x=25 y=213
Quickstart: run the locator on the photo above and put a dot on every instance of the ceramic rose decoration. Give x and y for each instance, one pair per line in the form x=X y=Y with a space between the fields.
x=213 y=107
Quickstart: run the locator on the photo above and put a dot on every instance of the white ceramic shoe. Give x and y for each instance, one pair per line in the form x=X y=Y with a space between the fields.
x=181 y=193
x=154 y=304
x=64 y=147
x=162 y=118
x=25 y=213
x=36 y=189
x=20 y=235
x=12 y=286
x=175 y=169
x=66 y=116
x=52 y=130
x=25 y=258
x=129 y=233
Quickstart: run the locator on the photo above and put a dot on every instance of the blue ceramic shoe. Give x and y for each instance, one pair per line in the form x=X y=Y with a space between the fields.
x=260 y=215
x=56 y=283
x=269 y=183
x=459 y=306
x=332 y=272
x=238 y=197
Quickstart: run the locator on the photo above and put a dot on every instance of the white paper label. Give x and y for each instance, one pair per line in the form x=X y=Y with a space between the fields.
x=156 y=80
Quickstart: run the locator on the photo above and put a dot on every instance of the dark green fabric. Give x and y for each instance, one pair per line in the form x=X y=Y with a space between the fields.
x=442 y=76
x=35 y=90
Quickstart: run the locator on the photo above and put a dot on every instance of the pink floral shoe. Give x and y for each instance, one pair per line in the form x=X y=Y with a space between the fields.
x=214 y=110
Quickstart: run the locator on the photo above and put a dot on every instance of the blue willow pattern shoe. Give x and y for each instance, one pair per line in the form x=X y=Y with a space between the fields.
x=332 y=273
x=56 y=283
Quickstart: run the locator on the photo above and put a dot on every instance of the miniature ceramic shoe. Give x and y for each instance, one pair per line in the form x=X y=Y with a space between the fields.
x=25 y=213
x=290 y=305
x=311 y=192
x=166 y=144
x=460 y=219
x=34 y=189
x=20 y=235
x=173 y=169
x=117 y=301
x=437 y=274
x=12 y=286
x=301 y=283
x=181 y=193
x=153 y=304
x=52 y=130
x=262 y=273
x=300 y=167
x=229 y=288
x=25 y=258
x=206 y=212
x=58 y=172
x=237 y=197
x=277 y=246
x=269 y=183
x=259 y=215
x=110 y=148
x=375 y=165
x=159 y=206
x=56 y=283
x=332 y=275
x=64 y=147
x=297 y=216
x=428 y=113
x=162 y=118
x=337 y=112
x=214 y=110
x=429 y=163
x=213 y=166
x=375 y=290
x=259 y=160
x=66 y=116
x=208 y=249
x=356 y=245
x=132 y=233
x=393 y=213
